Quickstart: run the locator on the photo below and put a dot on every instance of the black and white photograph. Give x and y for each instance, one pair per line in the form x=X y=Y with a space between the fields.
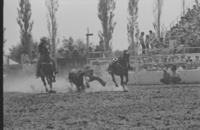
x=101 y=64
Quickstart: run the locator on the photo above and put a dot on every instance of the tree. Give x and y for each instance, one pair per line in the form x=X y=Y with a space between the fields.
x=70 y=47
x=82 y=47
x=16 y=52
x=132 y=21
x=157 y=12
x=197 y=2
x=106 y=15
x=25 y=23
x=52 y=8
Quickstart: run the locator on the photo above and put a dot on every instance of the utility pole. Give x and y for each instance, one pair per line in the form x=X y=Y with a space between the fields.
x=88 y=34
x=4 y=40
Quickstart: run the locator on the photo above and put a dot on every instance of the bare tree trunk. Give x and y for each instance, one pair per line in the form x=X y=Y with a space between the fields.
x=106 y=15
x=158 y=12
x=52 y=8
x=132 y=22
x=183 y=7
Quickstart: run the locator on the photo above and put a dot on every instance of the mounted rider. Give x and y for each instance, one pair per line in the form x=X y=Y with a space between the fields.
x=124 y=58
x=43 y=49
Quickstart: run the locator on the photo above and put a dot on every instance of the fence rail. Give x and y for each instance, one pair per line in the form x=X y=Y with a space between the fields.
x=158 y=61
x=148 y=52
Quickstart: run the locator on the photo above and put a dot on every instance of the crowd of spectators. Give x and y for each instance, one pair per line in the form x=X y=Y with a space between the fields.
x=146 y=43
x=187 y=31
x=185 y=34
x=183 y=37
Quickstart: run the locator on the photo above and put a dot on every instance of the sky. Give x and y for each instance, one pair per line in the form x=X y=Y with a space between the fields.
x=75 y=16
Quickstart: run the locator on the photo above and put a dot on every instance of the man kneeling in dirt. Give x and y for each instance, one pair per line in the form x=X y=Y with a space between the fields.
x=174 y=78
x=89 y=73
x=78 y=76
x=44 y=57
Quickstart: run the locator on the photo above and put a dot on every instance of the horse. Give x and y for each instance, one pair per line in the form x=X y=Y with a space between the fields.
x=46 y=75
x=120 y=67
x=81 y=79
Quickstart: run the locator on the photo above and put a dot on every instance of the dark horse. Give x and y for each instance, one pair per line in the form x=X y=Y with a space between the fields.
x=120 y=66
x=46 y=74
x=81 y=78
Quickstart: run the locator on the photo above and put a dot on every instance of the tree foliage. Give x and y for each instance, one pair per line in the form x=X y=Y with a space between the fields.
x=52 y=8
x=132 y=21
x=106 y=14
x=17 y=50
x=25 y=23
x=72 y=49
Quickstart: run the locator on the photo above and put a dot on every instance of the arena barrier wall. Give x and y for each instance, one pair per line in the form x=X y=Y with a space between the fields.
x=151 y=72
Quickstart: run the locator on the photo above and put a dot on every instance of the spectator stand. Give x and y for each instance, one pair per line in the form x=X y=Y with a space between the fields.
x=156 y=61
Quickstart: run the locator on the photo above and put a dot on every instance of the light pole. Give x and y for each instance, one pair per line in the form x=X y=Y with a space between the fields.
x=88 y=34
x=183 y=7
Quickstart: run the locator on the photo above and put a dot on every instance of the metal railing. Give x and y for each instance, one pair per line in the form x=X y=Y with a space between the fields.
x=148 y=52
x=166 y=51
x=99 y=55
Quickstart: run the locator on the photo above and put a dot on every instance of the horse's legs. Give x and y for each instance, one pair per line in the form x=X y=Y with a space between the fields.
x=50 y=80
x=92 y=78
x=44 y=82
x=71 y=84
x=122 y=80
x=82 y=87
x=127 y=79
x=122 y=83
x=86 y=81
x=113 y=78
x=78 y=88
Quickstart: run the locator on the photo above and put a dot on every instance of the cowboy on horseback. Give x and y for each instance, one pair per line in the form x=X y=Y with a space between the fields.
x=124 y=58
x=120 y=67
x=43 y=49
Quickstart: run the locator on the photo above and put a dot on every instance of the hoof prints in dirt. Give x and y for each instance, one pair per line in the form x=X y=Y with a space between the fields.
x=155 y=108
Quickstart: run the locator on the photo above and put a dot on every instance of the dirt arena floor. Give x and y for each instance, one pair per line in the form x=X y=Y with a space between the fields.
x=156 y=107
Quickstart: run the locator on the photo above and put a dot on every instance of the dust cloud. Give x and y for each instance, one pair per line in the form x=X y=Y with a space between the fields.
x=27 y=83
